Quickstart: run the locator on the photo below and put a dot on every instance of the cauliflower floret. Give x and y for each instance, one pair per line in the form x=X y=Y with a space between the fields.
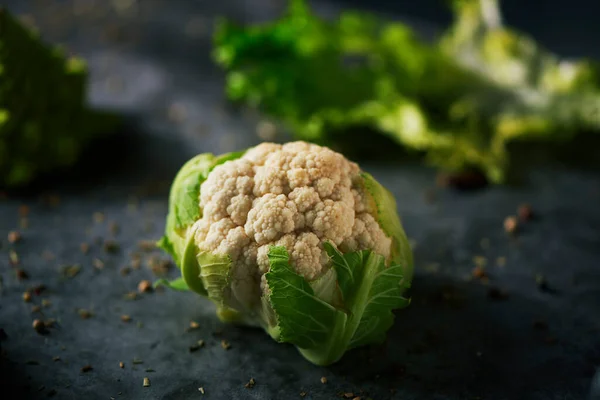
x=201 y=228
x=238 y=208
x=262 y=258
x=270 y=217
x=258 y=155
x=305 y=198
x=360 y=205
x=220 y=194
x=366 y=234
x=306 y=254
x=217 y=233
x=297 y=147
x=331 y=220
x=249 y=255
x=234 y=243
x=295 y=195
x=298 y=178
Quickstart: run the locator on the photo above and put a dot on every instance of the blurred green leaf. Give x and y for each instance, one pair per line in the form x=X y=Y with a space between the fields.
x=459 y=101
x=44 y=121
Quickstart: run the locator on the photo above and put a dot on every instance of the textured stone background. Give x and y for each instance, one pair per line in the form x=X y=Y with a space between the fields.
x=453 y=342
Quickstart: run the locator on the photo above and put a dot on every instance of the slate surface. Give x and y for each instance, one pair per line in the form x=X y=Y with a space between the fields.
x=453 y=342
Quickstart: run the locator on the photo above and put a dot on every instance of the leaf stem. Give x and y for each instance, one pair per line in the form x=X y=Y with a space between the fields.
x=345 y=324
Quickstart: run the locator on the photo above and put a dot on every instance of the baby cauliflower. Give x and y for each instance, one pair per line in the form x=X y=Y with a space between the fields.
x=294 y=238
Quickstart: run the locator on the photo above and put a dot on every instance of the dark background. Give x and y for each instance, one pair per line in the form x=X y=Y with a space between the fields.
x=453 y=342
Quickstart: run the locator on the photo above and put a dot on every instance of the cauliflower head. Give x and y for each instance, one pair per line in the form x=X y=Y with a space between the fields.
x=294 y=238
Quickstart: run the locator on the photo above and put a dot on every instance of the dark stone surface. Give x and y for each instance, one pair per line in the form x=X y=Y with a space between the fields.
x=453 y=342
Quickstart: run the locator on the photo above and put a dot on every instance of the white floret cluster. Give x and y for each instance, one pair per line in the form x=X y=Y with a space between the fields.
x=296 y=195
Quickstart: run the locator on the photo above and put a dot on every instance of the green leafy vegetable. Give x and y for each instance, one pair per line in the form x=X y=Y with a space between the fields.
x=44 y=121
x=462 y=101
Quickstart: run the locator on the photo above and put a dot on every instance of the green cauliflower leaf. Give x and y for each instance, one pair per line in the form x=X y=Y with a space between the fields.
x=323 y=333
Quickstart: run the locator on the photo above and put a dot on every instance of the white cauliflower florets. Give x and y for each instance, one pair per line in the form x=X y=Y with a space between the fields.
x=271 y=217
x=295 y=195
